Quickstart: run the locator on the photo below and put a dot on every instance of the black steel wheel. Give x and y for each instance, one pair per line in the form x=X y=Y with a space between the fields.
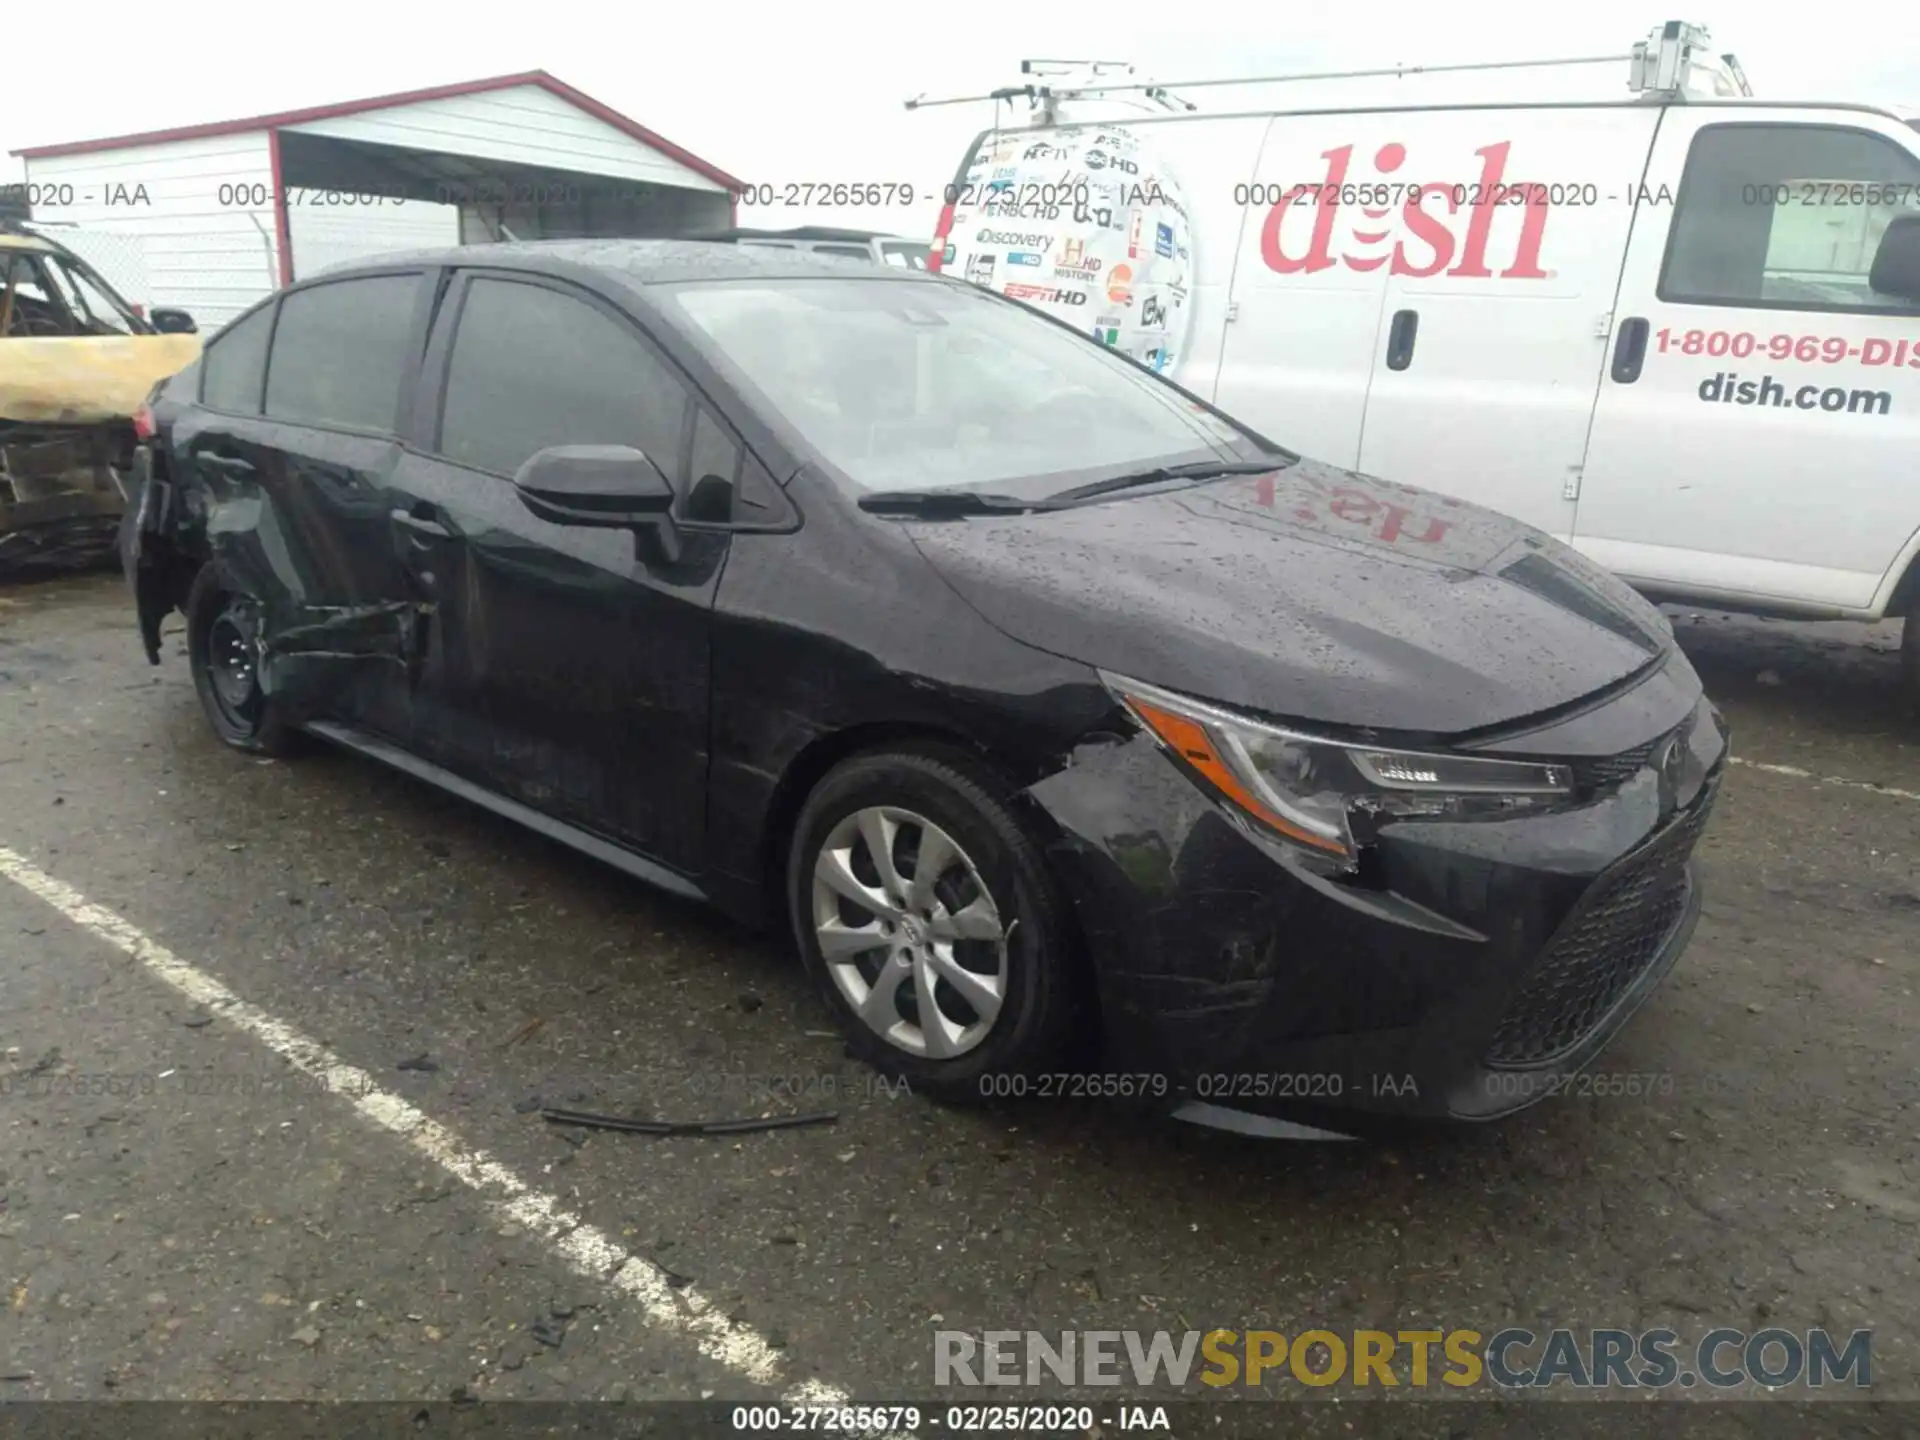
x=223 y=630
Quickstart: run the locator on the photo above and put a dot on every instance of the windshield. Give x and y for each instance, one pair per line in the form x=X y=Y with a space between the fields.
x=94 y=307
x=905 y=386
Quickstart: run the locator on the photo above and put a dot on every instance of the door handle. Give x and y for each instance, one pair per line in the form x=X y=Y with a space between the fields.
x=423 y=521
x=1400 y=338
x=1629 y=351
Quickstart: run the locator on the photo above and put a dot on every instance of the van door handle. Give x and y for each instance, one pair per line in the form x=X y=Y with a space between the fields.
x=1629 y=350
x=1400 y=338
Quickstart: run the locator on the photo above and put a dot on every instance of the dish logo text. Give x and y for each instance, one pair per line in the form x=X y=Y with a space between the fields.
x=1430 y=242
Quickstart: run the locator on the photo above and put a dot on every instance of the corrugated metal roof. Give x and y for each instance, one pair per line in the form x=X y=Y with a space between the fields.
x=283 y=118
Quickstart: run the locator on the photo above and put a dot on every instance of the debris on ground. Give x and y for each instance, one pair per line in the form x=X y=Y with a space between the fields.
x=587 y=1120
x=525 y=1032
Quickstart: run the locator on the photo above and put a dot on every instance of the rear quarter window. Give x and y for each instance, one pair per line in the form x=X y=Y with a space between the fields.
x=234 y=364
x=342 y=352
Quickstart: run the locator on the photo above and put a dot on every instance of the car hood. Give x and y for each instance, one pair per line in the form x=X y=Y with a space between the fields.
x=86 y=379
x=1310 y=593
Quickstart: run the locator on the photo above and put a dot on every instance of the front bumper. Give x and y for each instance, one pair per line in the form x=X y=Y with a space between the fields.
x=60 y=494
x=1490 y=961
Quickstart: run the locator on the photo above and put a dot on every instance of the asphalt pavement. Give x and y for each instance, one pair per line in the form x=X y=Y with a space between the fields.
x=274 y=1036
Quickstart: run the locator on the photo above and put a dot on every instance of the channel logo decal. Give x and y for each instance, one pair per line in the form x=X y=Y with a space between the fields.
x=1116 y=231
x=1044 y=295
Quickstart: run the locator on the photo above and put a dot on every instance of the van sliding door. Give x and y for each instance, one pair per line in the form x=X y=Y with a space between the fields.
x=1304 y=318
x=1500 y=245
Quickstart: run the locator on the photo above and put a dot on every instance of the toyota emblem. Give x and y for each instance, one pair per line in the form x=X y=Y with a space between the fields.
x=1671 y=761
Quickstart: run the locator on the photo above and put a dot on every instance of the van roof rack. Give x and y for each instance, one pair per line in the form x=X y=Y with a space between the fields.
x=1672 y=63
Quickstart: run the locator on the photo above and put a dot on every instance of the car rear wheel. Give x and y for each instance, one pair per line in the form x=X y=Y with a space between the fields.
x=926 y=915
x=223 y=647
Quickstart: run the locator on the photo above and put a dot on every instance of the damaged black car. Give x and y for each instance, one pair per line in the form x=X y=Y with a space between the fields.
x=1069 y=725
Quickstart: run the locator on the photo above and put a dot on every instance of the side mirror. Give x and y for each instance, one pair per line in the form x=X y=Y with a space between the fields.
x=173 y=322
x=1896 y=263
x=611 y=487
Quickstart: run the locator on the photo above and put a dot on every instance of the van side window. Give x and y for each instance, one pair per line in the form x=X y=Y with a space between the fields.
x=235 y=365
x=1786 y=217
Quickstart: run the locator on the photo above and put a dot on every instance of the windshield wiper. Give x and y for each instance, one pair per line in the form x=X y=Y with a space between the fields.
x=1199 y=470
x=945 y=502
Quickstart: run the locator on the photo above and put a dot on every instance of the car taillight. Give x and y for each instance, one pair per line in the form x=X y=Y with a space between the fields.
x=143 y=426
x=139 y=310
x=935 y=256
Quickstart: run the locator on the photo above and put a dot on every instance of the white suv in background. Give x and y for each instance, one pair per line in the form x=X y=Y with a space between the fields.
x=896 y=250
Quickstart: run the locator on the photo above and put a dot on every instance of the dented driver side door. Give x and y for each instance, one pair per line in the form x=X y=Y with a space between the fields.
x=296 y=499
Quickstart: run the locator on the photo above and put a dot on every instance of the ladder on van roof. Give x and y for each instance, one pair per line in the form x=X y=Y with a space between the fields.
x=1674 y=63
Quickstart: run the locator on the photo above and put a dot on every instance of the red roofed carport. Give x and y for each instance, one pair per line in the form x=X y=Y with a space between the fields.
x=524 y=156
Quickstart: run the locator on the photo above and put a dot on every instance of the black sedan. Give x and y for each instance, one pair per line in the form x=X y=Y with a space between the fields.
x=1072 y=727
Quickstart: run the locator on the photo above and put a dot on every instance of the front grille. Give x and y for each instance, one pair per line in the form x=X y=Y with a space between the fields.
x=1601 y=771
x=1616 y=932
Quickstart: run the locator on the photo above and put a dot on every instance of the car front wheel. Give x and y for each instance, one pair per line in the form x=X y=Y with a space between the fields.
x=925 y=912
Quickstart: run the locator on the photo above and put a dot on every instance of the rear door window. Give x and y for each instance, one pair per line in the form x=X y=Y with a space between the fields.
x=342 y=353
x=28 y=300
x=533 y=367
x=235 y=364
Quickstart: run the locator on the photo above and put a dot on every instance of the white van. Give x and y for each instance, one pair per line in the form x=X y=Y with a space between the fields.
x=1680 y=330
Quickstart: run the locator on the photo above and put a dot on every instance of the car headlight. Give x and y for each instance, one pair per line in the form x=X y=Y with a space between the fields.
x=1329 y=797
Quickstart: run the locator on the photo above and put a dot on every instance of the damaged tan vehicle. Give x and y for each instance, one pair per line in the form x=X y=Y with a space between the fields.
x=76 y=364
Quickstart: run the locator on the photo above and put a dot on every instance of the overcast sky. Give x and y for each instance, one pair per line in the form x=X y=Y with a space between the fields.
x=813 y=92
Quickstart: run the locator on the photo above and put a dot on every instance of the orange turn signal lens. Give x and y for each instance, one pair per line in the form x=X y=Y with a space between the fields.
x=1189 y=740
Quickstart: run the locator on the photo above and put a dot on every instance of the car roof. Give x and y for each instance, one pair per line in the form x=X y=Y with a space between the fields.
x=640 y=263
x=14 y=240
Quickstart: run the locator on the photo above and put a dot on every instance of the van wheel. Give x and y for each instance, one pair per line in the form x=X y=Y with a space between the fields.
x=1910 y=653
x=222 y=635
x=925 y=913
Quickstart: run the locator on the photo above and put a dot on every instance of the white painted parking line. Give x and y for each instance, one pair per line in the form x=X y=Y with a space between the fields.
x=1798 y=774
x=586 y=1249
